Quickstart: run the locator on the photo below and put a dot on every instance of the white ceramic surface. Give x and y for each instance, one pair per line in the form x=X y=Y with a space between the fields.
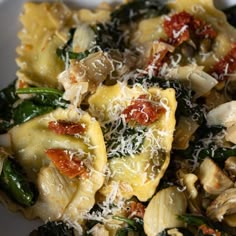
x=12 y=224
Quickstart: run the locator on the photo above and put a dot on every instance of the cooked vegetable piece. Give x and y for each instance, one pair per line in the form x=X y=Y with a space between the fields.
x=230 y=166
x=80 y=40
x=213 y=179
x=224 y=114
x=55 y=193
x=67 y=162
x=66 y=127
x=201 y=82
x=53 y=228
x=224 y=204
x=184 y=132
x=230 y=135
x=143 y=110
x=15 y=184
x=163 y=209
x=44 y=101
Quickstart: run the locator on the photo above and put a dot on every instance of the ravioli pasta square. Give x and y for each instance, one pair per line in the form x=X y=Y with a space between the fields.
x=137 y=173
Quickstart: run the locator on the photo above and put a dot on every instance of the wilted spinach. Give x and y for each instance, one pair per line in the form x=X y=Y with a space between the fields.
x=53 y=228
x=16 y=111
x=137 y=9
x=123 y=140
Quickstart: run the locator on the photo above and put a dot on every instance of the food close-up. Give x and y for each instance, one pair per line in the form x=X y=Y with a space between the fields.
x=121 y=119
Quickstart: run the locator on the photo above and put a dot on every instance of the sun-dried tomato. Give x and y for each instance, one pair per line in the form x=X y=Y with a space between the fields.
x=206 y=230
x=66 y=127
x=202 y=29
x=179 y=27
x=67 y=163
x=226 y=65
x=143 y=111
x=136 y=209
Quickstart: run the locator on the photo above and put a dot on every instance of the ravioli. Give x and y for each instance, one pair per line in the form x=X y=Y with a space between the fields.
x=151 y=30
x=60 y=197
x=45 y=28
x=138 y=174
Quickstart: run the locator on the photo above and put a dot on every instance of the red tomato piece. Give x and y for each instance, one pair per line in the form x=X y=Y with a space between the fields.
x=226 y=65
x=67 y=163
x=202 y=29
x=66 y=127
x=143 y=111
x=180 y=26
x=177 y=28
x=136 y=209
x=206 y=230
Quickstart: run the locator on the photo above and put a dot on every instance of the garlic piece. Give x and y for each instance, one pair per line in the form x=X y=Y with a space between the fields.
x=163 y=209
x=213 y=179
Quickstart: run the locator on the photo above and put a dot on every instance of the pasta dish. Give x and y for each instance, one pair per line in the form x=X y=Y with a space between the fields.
x=122 y=119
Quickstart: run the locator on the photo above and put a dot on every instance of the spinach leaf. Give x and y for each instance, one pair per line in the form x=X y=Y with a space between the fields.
x=53 y=228
x=16 y=111
x=66 y=52
x=133 y=225
x=231 y=15
x=7 y=99
x=15 y=184
x=199 y=220
x=109 y=36
x=27 y=110
x=204 y=145
x=63 y=54
x=123 y=140
x=44 y=100
x=135 y=10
